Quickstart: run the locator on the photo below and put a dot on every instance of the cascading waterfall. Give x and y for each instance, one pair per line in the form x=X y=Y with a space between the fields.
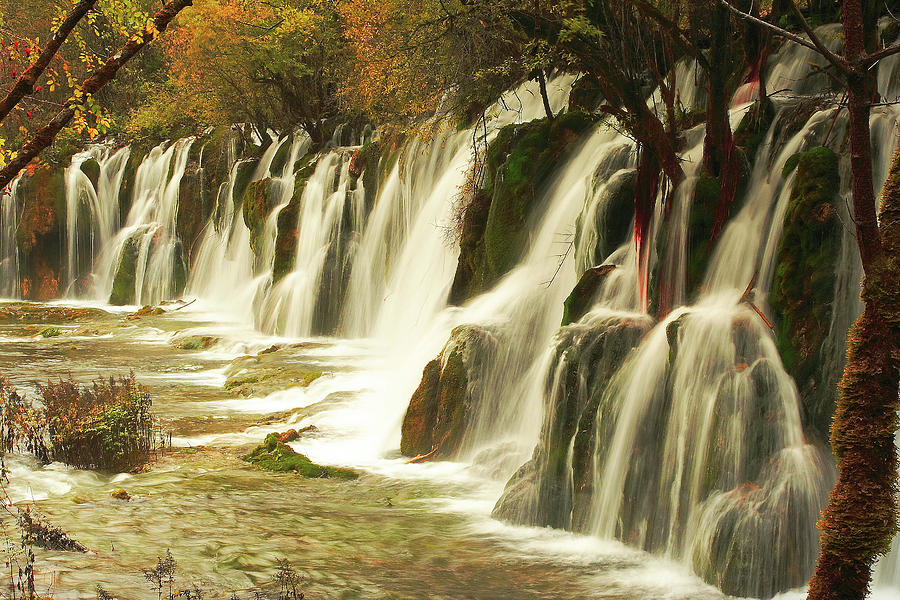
x=699 y=451
x=9 y=251
x=92 y=211
x=692 y=427
x=142 y=264
x=330 y=214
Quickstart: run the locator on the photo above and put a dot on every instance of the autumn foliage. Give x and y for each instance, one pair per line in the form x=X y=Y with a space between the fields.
x=106 y=425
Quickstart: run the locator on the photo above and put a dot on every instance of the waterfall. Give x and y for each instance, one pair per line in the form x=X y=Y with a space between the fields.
x=9 y=251
x=685 y=437
x=330 y=214
x=222 y=271
x=142 y=263
x=92 y=206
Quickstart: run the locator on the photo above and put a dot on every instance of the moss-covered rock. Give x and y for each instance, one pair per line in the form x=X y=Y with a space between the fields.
x=555 y=487
x=470 y=272
x=91 y=168
x=275 y=455
x=274 y=369
x=288 y=220
x=520 y=161
x=39 y=235
x=196 y=342
x=243 y=176
x=126 y=271
x=439 y=411
x=582 y=297
x=605 y=222
x=803 y=286
x=257 y=202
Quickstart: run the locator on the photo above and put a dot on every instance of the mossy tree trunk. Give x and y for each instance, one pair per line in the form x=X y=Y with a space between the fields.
x=861 y=517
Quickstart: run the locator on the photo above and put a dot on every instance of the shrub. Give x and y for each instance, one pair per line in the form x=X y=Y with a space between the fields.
x=106 y=425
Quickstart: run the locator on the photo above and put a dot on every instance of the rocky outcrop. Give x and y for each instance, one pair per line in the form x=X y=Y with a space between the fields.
x=497 y=221
x=438 y=415
x=40 y=233
x=803 y=286
x=555 y=487
x=583 y=294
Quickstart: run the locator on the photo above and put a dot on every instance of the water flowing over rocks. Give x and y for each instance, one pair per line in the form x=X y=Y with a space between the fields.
x=512 y=326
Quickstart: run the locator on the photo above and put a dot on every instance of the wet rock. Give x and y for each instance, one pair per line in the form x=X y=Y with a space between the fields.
x=146 y=311
x=40 y=233
x=91 y=168
x=520 y=161
x=196 y=342
x=555 y=487
x=440 y=409
x=12 y=312
x=803 y=286
x=605 y=223
x=292 y=435
x=124 y=280
x=270 y=371
x=583 y=294
x=257 y=201
x=121 y=494
x=288 y=220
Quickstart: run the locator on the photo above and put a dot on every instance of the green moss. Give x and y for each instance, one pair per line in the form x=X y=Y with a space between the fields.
x=273 y=455
x=803 y=284
x=790 y=164
x=91 y=168
x=198 y=342
x=49 y=332
x=288 y=220
x=520 y=162
x=257 y=201
x=124 y=280
x=240 y=382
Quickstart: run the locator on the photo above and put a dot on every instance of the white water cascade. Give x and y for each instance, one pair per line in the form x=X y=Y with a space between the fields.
x=9 y=251
x=693 y=428
x=145 y=256
x=93 y=211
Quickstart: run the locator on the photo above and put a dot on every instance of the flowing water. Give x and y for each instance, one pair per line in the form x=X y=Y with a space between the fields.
x=699 y=465
x=9 y=251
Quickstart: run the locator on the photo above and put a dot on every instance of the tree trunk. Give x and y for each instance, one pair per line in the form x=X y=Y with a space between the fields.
x=542 y=82
x=861 y=517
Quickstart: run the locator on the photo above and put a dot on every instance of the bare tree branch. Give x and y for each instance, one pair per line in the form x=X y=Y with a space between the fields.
x=834 y=59
x=837 y=61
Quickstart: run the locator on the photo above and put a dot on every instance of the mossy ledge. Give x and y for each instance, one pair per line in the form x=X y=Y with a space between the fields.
x=803 y=286
x=495 y=225
x=274 y=455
